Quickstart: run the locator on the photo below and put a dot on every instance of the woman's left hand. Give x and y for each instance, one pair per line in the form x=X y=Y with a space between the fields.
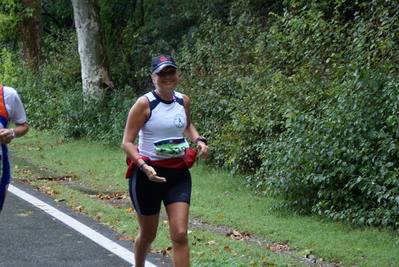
x=203 y=149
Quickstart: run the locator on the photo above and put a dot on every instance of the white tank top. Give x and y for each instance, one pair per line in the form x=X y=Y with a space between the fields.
x=166 y=123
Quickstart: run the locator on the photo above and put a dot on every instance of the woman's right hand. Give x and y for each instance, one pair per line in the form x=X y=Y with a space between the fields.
x=152 y=174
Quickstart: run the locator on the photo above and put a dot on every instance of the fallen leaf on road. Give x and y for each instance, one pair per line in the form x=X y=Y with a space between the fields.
x=25 y=214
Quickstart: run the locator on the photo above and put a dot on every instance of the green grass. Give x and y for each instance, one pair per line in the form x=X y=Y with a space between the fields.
x=219 y=199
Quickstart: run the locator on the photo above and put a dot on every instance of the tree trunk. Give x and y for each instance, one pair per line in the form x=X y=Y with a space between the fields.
x=32 y=43
x=94 y=62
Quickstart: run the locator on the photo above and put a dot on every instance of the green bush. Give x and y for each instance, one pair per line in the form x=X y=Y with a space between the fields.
x=341 y=161
x=338 y=154
x=306 y=103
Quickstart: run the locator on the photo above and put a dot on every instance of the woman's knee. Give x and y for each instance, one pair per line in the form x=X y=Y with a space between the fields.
x=179 y=237
x=146 y=238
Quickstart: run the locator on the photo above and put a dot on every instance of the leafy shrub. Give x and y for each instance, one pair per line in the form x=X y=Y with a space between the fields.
x=305 y=103
x=338 y=154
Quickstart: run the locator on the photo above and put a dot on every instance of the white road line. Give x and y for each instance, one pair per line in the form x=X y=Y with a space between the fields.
x=106 y=243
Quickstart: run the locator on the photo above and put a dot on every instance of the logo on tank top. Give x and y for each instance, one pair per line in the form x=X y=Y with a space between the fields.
x=179 y=121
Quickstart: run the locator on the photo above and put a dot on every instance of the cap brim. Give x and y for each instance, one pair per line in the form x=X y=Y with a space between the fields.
x=158 y=70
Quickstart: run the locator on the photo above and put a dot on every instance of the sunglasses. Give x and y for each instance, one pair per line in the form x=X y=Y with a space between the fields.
x=164 y=73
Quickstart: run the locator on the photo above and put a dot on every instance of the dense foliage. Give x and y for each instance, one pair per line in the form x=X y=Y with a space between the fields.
x=301 y=97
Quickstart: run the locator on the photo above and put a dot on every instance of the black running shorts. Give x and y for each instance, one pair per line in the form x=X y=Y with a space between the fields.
x=147 y=195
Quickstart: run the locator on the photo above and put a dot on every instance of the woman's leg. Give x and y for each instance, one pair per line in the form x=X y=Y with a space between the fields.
x=178 y=223
x=148 y=232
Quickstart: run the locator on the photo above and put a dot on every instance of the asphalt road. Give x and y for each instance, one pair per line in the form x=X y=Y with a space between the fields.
x=35 y=235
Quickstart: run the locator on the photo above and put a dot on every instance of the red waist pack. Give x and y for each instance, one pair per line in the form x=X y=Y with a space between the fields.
x=185 y=162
